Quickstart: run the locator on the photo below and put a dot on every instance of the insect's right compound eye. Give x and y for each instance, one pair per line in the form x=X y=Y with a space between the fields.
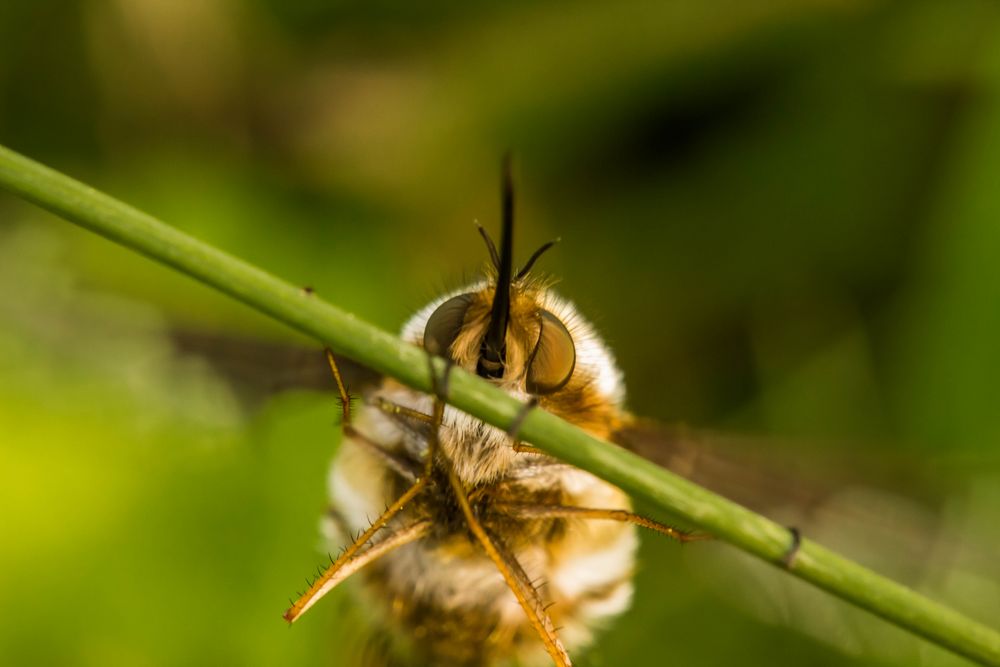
x=445 y=324
x=553 y=359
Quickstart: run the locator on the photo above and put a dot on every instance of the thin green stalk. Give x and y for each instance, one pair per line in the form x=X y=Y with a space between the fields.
x=350 y=336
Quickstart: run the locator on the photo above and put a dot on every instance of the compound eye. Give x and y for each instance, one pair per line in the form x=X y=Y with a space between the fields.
x=553 y=359
x=445 y=324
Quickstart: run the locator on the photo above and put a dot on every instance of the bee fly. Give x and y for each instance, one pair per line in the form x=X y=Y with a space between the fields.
x=484 y=546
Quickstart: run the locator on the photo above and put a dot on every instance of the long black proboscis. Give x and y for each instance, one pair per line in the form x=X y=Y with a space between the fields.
x=491 y=360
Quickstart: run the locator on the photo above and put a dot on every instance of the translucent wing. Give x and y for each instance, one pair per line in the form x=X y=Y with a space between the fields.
x=257 y=369
x=765 y=472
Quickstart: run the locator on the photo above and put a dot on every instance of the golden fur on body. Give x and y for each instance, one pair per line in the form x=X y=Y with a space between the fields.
x=442 y=593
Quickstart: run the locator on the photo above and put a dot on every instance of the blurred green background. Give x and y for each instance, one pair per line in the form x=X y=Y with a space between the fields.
x=784 y=217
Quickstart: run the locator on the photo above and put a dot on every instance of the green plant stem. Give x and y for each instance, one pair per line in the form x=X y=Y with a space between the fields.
x=346 y=334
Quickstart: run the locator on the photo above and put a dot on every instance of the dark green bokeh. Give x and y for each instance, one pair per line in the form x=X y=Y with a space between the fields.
x=783 y=216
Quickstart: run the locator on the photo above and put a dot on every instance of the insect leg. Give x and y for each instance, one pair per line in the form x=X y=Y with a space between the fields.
x=345 y=398
x=440 y=385
x=531 y=511
x=526 y=594
x=320 y=587
x=399 y=464
x=401 y=412
x=512 y=572
x=346 y=565
x=413 y=421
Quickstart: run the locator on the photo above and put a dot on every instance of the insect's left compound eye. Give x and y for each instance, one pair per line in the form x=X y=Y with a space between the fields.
x=445 y=324
x=553 y=359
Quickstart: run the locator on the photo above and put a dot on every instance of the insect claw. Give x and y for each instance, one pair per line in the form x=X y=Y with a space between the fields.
x=788 y=560
x=439 y=384
x=515 y=425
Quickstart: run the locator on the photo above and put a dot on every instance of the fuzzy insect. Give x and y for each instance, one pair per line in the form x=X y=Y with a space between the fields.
x=484 y=546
